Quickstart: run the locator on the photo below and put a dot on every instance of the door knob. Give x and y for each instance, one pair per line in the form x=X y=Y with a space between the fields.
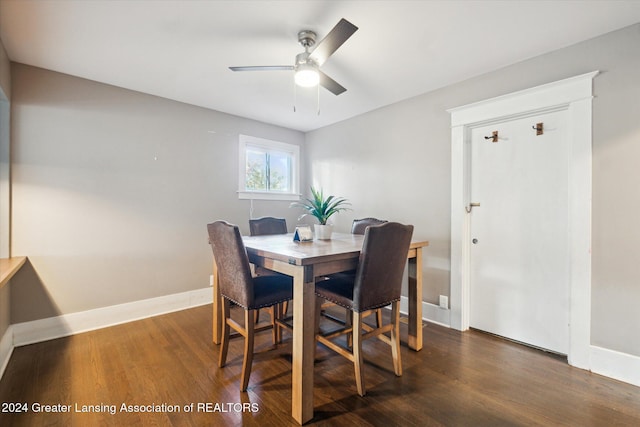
x=474 y=241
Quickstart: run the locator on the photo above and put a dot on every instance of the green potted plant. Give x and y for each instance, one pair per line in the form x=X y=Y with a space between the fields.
x=322 y=209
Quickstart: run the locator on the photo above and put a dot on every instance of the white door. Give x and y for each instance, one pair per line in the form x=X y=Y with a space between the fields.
x=519 y=275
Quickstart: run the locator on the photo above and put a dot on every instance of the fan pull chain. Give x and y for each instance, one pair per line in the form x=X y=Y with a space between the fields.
x=295 y=98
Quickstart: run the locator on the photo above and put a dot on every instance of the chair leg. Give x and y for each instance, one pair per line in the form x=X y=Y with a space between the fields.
x=357 y=352
x=348 y=322
x=278 y=310
x=284 y=309
x=379 y=318
x=395 y=338
x=273 y=314
x=249 y=323
x=316 y=326
x=224 y=345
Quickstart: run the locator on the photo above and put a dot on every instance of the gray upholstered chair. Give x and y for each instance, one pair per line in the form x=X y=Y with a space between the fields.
x=360 y=225
x=377 y=283
x=268 y=225
x=357 y=227
x=237 y=284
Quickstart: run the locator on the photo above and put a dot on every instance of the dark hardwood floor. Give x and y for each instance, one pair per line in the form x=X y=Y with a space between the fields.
x=458 y=379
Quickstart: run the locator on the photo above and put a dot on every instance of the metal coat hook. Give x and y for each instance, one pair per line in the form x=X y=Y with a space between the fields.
x=493 y=137
x=470 y=206
x=539 y=127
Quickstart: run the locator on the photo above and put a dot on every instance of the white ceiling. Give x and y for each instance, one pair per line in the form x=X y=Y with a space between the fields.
x=181 y=49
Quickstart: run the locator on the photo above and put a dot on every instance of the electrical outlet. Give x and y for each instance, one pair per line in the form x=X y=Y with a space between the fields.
x=444 y=301
x=211 y=280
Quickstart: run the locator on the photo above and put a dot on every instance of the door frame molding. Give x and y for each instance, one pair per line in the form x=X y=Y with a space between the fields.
x=574 y=95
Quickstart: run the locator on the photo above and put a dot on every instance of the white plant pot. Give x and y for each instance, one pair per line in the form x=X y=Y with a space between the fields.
x=323 y=232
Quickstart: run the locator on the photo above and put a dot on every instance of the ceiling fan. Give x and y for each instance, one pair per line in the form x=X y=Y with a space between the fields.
x=308 y=63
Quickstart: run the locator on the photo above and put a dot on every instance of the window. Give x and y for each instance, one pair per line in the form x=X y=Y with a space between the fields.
x=268 y=169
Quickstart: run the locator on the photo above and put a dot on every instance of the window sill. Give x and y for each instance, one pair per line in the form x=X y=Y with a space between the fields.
x=257 y=195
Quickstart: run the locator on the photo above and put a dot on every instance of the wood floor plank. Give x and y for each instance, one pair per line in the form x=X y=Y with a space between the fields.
x=458 y=378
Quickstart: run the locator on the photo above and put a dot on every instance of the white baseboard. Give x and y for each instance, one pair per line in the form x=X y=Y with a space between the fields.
x=609 y=363
x=75 y=323
x=613 y=364
x=430 y=312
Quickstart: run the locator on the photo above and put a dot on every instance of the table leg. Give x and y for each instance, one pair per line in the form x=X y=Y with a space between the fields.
x=217 y=307
x=304 y=343
x=415 y=301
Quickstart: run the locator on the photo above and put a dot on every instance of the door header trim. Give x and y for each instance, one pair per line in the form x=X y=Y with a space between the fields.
x=550 y=95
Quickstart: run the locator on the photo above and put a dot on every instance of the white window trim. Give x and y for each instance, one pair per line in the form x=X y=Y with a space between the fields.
x=273 y=145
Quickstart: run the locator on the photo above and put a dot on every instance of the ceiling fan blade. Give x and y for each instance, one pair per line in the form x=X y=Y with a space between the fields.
x=330 y=84
x=263 y=68
x=336 y=37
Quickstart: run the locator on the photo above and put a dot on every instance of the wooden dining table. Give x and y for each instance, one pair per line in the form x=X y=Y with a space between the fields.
x=305 y=261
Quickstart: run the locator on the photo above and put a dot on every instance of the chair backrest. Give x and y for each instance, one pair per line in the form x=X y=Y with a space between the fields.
x=360 y=225
x=234 y=273
x=382 y=261
x=267 y=225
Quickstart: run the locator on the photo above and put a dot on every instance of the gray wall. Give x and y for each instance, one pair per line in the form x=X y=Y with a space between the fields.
x=5 y=94
x=5 y=72
x=5 y=309
x=401 y=155
x=112 y=191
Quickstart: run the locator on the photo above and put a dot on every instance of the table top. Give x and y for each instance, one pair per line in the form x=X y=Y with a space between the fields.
x=283 y=248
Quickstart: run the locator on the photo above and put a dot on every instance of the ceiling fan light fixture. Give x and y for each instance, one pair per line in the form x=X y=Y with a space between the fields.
x=307 y=75
x=306 y=68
